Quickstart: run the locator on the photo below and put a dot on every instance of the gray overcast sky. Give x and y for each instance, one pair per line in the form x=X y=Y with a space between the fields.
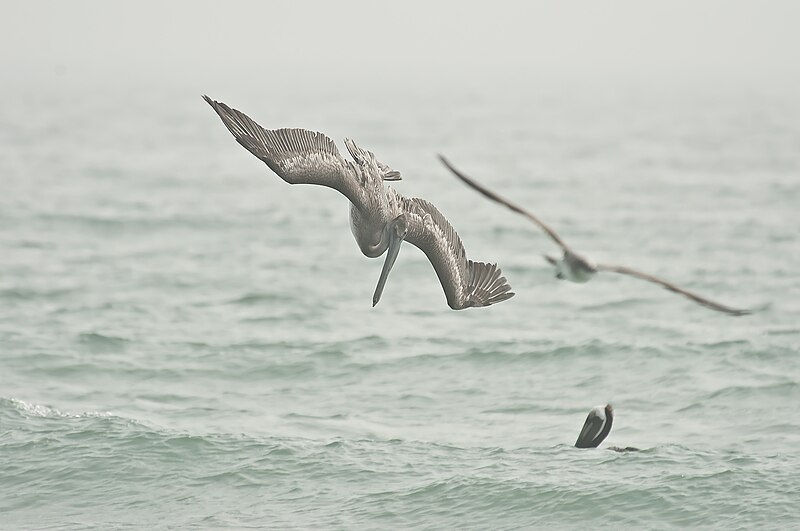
x=756 y=40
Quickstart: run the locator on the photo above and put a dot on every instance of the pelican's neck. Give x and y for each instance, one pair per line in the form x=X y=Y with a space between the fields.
x=371 y=224
x=609 y=416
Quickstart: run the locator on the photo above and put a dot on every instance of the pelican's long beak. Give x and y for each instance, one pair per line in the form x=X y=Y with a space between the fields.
x=397 y=231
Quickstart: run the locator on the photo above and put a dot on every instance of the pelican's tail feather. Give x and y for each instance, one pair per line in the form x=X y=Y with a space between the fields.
x=364 y=156
x=486 y=285
x=388 y=173
x=360 y=155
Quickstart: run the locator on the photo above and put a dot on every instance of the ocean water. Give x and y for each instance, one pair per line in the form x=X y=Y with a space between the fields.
x=188 y=342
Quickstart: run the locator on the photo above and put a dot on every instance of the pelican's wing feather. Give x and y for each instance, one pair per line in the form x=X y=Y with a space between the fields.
x=298 y=156
x=465 y=283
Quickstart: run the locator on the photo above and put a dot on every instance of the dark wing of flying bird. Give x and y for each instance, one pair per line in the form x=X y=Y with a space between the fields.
x=516 y=208
x=672 y=287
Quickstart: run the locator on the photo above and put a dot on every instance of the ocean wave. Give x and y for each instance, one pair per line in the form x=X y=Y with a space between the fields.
x=105 y=426
x=617 y=304
x=116 y=463
x=726 y=344
x=256 y=298
x=783 y=332
x=785 y=389
x=27 y=409
x=497 y=353
x=125 y=222
x=95 y=339
x=33 y=294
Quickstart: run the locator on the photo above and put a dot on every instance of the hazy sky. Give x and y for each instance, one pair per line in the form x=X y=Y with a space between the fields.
x=403 y=42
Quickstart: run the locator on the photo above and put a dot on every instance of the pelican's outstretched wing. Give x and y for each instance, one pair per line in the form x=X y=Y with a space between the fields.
x=298 y=156
x=672 y=287
x=494 y=197
x=465 y=283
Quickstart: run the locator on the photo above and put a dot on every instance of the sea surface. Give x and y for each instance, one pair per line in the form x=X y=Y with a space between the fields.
x=188 y=342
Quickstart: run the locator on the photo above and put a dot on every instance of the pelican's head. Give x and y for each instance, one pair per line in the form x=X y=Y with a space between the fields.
x=395 y=231
x=398 y=227
x=596 y=427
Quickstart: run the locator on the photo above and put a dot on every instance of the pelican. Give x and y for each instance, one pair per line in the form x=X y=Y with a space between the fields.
x=577 y=268
x=380 y=218
x=597 y=427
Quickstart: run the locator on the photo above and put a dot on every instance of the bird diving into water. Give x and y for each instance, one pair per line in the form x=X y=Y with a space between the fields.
x=597 y=427
x=380 y=218
x=577 y=268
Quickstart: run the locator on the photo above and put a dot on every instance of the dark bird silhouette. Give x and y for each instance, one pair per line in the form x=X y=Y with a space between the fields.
x=597 y=427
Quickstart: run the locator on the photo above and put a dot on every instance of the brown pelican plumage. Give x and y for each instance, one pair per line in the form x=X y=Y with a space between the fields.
x=577 y=268
x=597 y=427
x=380 y=218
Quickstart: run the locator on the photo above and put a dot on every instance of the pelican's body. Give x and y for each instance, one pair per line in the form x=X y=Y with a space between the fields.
x=376 y=206
x=573 y=267
x=369 y=229
x=380 y=218
x=577 y=268
x=597 y=427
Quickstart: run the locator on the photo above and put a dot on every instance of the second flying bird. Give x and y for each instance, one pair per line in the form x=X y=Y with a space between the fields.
x=577 y=268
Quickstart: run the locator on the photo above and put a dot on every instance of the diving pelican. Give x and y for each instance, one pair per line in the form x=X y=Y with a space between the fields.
x=380 y=218
x=597 y=427
x=577 y=268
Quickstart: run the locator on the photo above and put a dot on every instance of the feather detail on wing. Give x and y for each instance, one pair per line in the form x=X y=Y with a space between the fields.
x=465 y=283
x=298 y=156
x=365 y=157
x=672 y=287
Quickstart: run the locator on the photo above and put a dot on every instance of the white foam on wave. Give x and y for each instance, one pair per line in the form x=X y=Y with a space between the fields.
x=38 y=410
